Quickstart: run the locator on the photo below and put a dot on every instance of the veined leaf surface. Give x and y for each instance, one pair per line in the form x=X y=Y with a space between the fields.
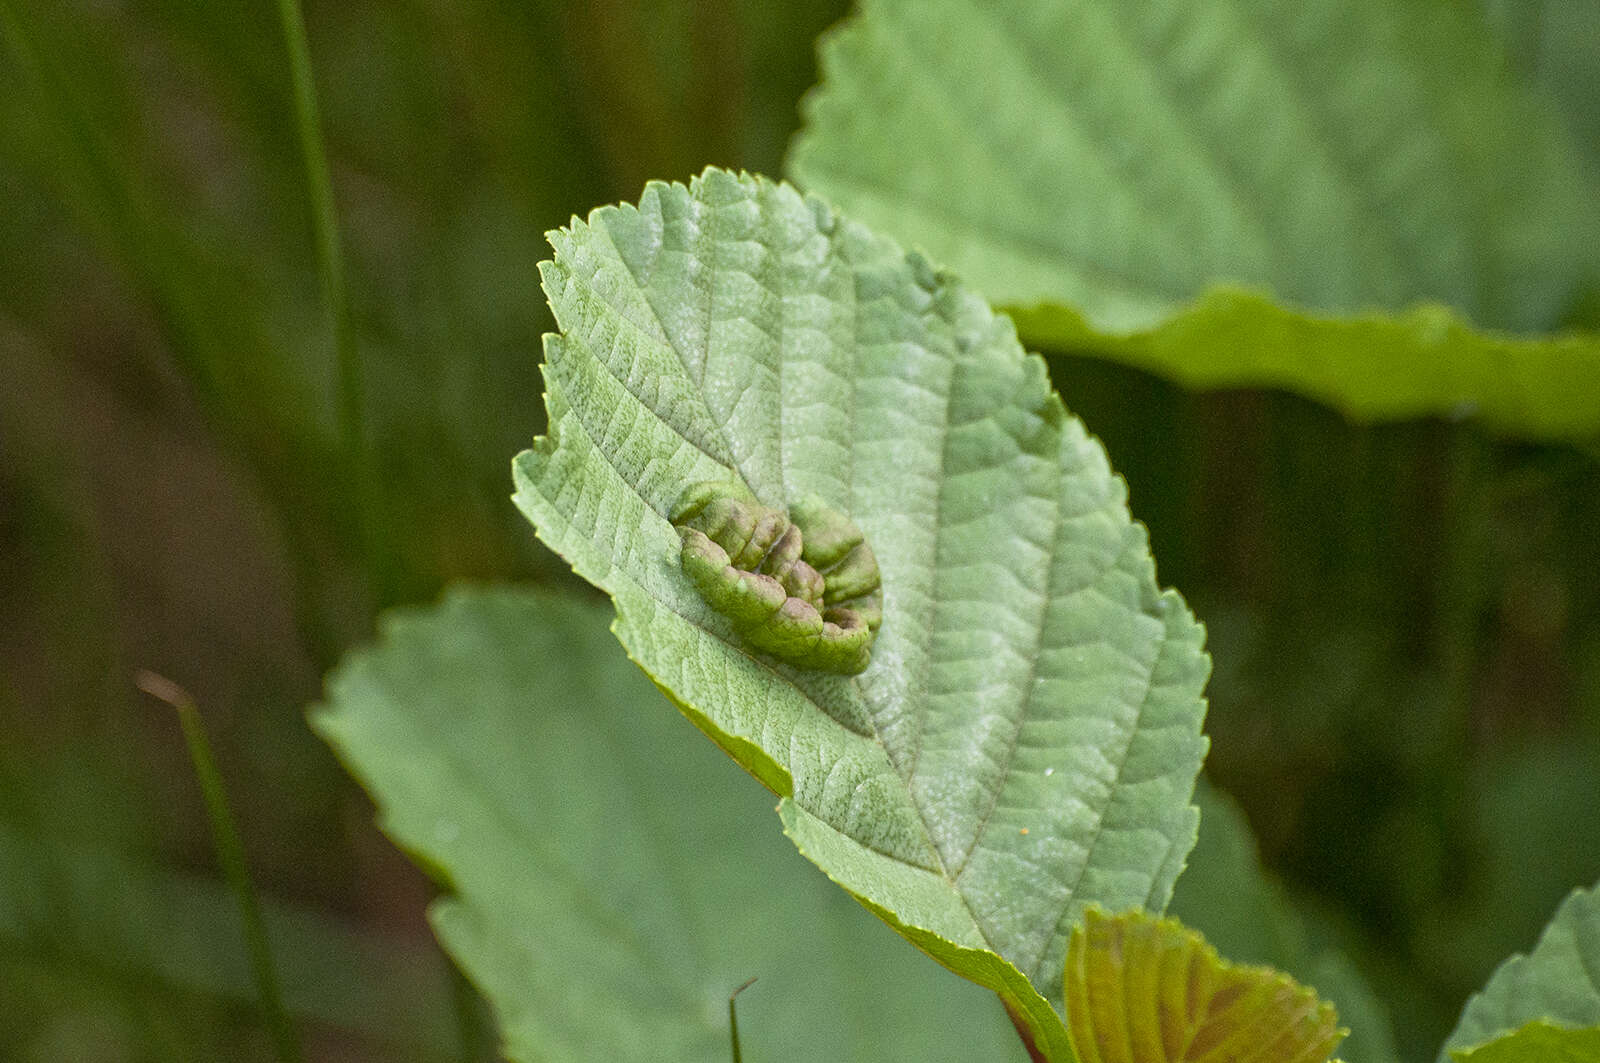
x=1025 y=738
x=1339 y=197
x=1151 y=990
x=1558 y=981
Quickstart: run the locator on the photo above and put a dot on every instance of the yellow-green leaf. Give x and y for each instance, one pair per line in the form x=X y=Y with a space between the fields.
x=1146 y=990
x=1537 y=1042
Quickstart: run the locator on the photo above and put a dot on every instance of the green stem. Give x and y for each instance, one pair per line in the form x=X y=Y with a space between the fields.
x=733 y=1019
x=230 y=853
x=324 y=220
x=349 y=371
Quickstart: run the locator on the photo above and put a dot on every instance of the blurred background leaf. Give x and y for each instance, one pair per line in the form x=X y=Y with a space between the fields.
x=1538 y=1042
x=1556 y=981
x=1235 y=194
x=610 y=903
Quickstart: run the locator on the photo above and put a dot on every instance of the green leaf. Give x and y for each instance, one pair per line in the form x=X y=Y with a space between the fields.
x=1552 y=45
x=1026 y=736
x=613 y=878
x=1558 y=981
x=1232 y=194
x=1151 y=990
x=1424 y=361
x=1537 y=1042
x=1226 y=894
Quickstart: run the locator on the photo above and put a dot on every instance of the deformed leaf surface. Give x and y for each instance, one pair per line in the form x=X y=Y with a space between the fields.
x=1026 y=736
x=801 y=585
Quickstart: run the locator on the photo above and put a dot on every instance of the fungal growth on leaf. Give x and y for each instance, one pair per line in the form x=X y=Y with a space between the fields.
x=802 y=585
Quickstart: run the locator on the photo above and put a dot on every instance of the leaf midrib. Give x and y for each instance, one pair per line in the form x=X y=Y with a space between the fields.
x=1100 y=812
x=1027 y=689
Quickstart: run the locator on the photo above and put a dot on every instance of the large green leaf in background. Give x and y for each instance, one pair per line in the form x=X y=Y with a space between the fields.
x=615 y=878
x=1551 y=43
x=1026 y=737
x=1232 y=193
x=1558 y=981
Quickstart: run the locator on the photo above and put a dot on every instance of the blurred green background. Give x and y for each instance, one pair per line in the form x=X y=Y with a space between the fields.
x=1405 y=620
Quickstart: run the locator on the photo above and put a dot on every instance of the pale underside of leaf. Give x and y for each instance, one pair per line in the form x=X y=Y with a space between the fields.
x=1232 y=193
x=1559 y=980
x=1026 y=736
